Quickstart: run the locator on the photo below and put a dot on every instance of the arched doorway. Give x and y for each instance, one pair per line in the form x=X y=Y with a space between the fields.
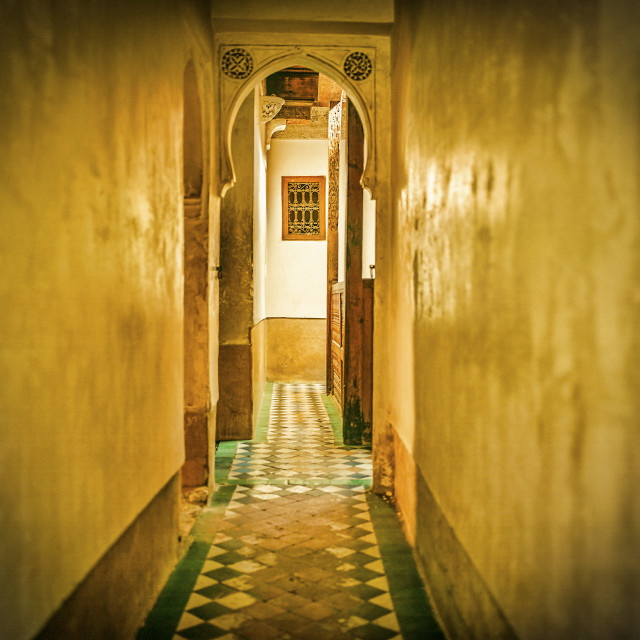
x=243 y=60
x=240 y=69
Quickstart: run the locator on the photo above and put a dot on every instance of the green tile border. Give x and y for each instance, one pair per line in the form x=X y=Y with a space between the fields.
x=162 y=621
x=411 y=603
x=260 y=435
x=335 y=418
x=292 y=482
x=225 y=452
x=336 y=424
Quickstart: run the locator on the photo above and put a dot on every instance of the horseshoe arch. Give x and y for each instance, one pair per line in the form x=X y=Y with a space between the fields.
x=241 y=67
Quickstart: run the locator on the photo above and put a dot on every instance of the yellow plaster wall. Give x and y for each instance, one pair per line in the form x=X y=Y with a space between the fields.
x=234 y=412
x=516 y=276
x=236 y=235
x=295 y=349
x=90 y=285
x=258 y=366
x=310 y=11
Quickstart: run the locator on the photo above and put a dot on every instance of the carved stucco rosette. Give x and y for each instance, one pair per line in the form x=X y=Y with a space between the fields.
x=237 y=63
x=358 y=66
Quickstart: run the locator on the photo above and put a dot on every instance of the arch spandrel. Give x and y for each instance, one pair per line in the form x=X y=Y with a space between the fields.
x=242 y=66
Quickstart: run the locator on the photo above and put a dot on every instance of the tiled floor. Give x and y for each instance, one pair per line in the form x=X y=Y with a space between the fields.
x=300 y=448
x=297 y=547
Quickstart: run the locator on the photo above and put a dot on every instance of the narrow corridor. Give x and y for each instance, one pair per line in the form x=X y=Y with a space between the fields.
x=293 y=545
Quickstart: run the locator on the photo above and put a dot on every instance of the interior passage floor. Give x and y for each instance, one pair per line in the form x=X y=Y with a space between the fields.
x=293 y=545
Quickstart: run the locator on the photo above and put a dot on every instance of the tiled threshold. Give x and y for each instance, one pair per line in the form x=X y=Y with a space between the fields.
x=292 y=545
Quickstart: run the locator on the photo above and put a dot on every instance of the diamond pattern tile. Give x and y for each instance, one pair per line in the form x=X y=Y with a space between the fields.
x=300 y=446
x=296 y=555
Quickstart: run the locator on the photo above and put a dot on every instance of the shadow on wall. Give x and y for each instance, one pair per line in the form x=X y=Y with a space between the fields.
x=525 y=419
x=296 y=349
x=195 y=471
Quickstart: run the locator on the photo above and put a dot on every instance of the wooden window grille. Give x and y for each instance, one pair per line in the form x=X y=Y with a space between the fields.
x=303 y=208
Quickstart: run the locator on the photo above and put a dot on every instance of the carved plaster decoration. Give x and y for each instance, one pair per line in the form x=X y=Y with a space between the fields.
x=273 y=127
x=335 y=125
x=237 y=63
x=315 y=128
x=320 y=116
x=245 y=62
x=301 y=132
x=358 y=66
x=269 y=107
x=295 y=112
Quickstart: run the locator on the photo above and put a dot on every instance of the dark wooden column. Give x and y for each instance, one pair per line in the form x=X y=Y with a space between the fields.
x=352 y=417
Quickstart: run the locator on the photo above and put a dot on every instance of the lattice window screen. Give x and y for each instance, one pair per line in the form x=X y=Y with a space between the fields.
x=303 y=208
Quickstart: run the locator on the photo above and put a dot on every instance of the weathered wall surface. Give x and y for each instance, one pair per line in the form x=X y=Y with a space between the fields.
x=90 y=286
x=310 y=11
x=258 y=366
x=235 y=414
x=125 y=595
x=295 y=349
x=516 y=294
x=195 y=470
x=236 y=235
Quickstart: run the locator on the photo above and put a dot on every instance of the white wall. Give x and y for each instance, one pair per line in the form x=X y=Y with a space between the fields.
x=368 y=233
x=368 y=222
x=259 y=221
x=296 y=270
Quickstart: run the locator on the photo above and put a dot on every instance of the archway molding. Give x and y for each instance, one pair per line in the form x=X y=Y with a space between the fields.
x=270 y=51
x=241 y=65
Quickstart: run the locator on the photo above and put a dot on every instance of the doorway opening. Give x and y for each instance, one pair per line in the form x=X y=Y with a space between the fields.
x=297 y=236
